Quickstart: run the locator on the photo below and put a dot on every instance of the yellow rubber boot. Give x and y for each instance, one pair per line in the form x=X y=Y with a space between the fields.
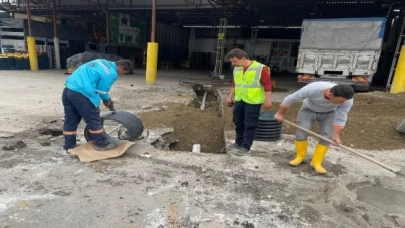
x=317 y=158
x=301 y=150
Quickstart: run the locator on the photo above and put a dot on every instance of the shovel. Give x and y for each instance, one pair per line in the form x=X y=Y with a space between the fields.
x=399 y=172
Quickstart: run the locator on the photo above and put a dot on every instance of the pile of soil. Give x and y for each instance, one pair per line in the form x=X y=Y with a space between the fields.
x=162 y=119
x=191 y=126
x=373 y=119
x=195 y=126
x=371 y=122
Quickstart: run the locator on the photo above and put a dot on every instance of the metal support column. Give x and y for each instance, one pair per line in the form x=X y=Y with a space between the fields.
x=220 y=48
x=55 y=37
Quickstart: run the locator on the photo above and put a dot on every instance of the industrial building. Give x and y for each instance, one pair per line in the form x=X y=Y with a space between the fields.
x=186 y=31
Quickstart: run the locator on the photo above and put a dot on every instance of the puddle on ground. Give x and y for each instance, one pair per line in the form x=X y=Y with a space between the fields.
x=387 y=200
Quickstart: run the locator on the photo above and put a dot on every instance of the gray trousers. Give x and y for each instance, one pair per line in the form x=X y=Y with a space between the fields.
x=306 y=119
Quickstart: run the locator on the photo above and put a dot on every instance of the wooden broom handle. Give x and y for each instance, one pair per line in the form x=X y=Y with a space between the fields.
x=342 y=146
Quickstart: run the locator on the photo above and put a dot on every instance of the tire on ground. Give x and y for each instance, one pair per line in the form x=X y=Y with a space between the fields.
x=130 y=121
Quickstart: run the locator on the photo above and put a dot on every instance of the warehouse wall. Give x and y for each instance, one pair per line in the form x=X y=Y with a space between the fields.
x=246 y=33
x=173 y=45
x=42 y=29
x=263 y=51
x=124 y=3
x=263 y=46
x=172 y=36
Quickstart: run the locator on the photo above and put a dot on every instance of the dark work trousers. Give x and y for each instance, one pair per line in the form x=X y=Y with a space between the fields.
x=76 y=107
x=246 y=119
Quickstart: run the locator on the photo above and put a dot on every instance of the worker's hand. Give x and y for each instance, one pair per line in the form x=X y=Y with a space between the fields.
x=279 y=117
x=229 y=102
x=107 y=103
x=267 y=104
x=336 y=141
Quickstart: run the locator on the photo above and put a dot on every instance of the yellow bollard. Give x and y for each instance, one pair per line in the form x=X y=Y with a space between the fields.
x=151 y=63
x=398 y=83
x=32 y=53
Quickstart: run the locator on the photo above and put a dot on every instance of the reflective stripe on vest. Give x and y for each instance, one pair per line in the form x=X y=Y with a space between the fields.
x=256 y=82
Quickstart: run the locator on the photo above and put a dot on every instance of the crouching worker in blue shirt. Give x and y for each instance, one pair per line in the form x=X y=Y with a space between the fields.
x=81 y=99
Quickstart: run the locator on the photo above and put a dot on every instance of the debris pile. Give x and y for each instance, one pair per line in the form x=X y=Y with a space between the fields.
x=191 y=124
x=371 y=122
x=77 y=60
x=15 y=146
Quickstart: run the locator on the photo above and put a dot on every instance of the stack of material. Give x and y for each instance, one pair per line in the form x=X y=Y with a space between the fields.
x=51 y=56
x=77 y=60
x=269 y=129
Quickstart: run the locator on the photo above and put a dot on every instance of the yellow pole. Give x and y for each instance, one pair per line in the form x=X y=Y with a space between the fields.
x=32 y=50
x=32 y=53
x=398 y=83
x=152 y=52
x=151 y=63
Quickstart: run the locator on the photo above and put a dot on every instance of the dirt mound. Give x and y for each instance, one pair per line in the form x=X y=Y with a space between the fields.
x=371 y=122
x=191 y=126
x=373 y=119
x=77 y=60
x=379 y=98
x=194 y=126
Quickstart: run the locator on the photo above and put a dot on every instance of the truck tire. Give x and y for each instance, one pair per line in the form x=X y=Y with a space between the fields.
x=130 y=121
x=365 y=88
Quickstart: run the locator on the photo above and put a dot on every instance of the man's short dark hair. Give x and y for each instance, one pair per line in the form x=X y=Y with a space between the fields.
x=237 y=53
x=125 y=64
x=345 y=91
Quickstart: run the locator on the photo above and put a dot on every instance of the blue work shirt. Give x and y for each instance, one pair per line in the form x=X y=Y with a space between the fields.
x=94 y=80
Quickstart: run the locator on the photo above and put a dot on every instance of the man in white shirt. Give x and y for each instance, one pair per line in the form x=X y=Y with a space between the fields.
x=327 y=103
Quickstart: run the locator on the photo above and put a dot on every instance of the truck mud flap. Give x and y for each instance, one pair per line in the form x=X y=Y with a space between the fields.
x=132 y=124
x=361 y=88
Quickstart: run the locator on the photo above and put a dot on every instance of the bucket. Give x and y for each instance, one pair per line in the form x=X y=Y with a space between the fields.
x=221 y=77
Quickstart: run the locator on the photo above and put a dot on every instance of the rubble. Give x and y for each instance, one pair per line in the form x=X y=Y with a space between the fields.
x=146 y=155
x=50 y=131
x=77 y=60
x=45 y=143
x=15 y=146
x=44 y=137
x=6 y=135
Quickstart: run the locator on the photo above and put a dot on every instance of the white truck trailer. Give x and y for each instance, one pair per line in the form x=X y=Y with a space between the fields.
x=344 y=51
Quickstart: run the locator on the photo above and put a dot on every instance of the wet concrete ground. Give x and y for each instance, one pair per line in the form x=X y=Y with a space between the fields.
x=41 y=188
